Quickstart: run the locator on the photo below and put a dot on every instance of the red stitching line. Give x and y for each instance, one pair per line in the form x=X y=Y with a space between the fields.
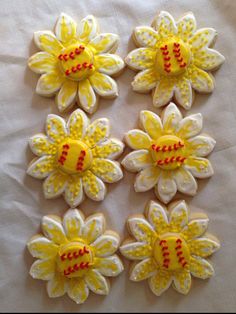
x=172 y=159
x=64 y=154
x=79 y=165
x=166 y=261
x=179 y=253
x=75 y=268
x=166 y=148
x=74 y=255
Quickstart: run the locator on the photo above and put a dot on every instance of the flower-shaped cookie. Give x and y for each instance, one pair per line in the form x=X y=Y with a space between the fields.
x=169 y=250
x=74 y=157
x=174 y=59
x=77 y=62
x=169 y=154
x=74 y=255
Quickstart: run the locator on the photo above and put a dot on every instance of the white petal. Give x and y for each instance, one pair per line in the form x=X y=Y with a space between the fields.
x=98 y=131
x=104 y=85
x=65 y=28
x=105 y=42
x=42 y=62
x=106 y=244
x=74 y=194
x=109 y=266
x=54 y=185
x=203 y=247
x=43 y=269
x=201 y=268
x=137 y=160
x=163 y=93
x=199 y=167
x=146 y=179
x=145 y=36
x=185 y=182
x=186 y=26
x=97 y=283
x=56 y=128
x=73 y=223
x=93 y=228
x=184 y=94
x=87 y=96
x=171 y=118
x=179 y=215
x=78 y=291
x=136 y=250
x=195 y=228
x=166 y=188
x=143 y=270
x=77 y=124
x=165 y=24
x=52 y=229
x=49 y=83
x=109 y=64
x=160 y=282
x=190 y=126
x=107 y=170
x=137 y=139
x=48 y=42
x=66 y=95
x=87 y=28
x=151 y=123
x=208 y=59
x=41 y=167
x=57 y=286
x=157 y=216
x=110 y=148
x=94 y=187
x=41 y=247
x=203 y=38
x=182 y=282
x=141 y=58
x=141 y=229
x=202 y=145
x=40 y=145
x=145 y=81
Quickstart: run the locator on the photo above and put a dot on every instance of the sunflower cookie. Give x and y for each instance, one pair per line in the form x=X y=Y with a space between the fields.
x=76 y=63
x=75 y=255
x=169 y=153
x=173 y=59
x=168 y=248
x=76 y=157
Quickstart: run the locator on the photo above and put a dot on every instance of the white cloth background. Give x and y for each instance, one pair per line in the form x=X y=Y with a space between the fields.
x=23 y=114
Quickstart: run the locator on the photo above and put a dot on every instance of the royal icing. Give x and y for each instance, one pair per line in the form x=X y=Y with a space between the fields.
x=173 y=59
x=75 y=255
x=169 y=153
x=169 y=247
x=75 y=158
x=76 y=63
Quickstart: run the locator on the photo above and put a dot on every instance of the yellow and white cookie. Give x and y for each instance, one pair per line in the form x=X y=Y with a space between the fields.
x=169 y=248
x=169 y=153
x=174 y=58
x=75 y=255
x=76 y=63
x=76 y=157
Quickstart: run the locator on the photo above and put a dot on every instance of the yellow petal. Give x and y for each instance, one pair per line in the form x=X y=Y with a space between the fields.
x=200 y=268
x=106 y=245
x=202 y=38
x=190 y=126
x=166 y=187
x=48 y=42
x=195 y=228
x=103 y=85
x=203 y=247
x=185 y=182
x=87 y=97
x=199 y=167
x=73 y=223
x=183 y=93
x=40 y=145
x=41 y=167
x=186 y=26
x=163 y=93
x=109 y=266
x=42 y=62
x=43 y=269
x=145 y=36
x=165 y=24
x=160 y=282
x=141 y=58
x=49 y=83
x=157 y=215
x=201 y=81
x=151 y=123
x=201 y=145
x=98 y=130
x=171 y=118
x=105 y=42
x=65 y=28
x=56 y=128
x=143 y=270
x=182 y=282
x=55 y=184
x=107 y=170
x=146 y=179
x=110 y=148
x=66 y=95
x=94 y=187
x=178 y=216
x=145 y=81
x=93 y=228
x=136 y=250
x=78 y=290
x=208 y=59
x=41 y=247
x=57 y=286
x=141 y=229
x=108 y=63
x=138 y=139
x=87 y=28
x=97 y=283
x=74 y=191
x=137 y=160
x=77 y=124
x=52 y=229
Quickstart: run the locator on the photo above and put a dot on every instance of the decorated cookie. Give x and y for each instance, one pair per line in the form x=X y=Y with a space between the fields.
x=76 y=157
x=173 y=59
x=168 y=248
x=76 y=63
x=75 y=255
x=169 y=153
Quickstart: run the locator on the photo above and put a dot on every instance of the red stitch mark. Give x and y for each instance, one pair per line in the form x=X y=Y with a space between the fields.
x=71 y=270
x=65 y=57
x=66 y=272
x=181 y=144
x=164 y=248
x=182 y=65
x=79 y=67
x=181 y=259
x=85 y=65
x=184 y=264
x=167 y=58
x=166 y=254
x=66 y=146
x=168 y=65
x=164 y=148
x=86 y=251
x=75 y=255
x=162 y=242
x=60 y=57
x=81 y=47
x=67 y=72
x=70 y=256
x=74 y=69
x=179 y=253
x=165 y=53
x=63 y=257
x=166 y=266
x=90 y=66
x=180 y=59
x=160 y=162
x=83 y=152
x=167 y=160
x=178 y=247
x=172 y=159
x=169 y=148
x=76 y=267
x=176 y=50
x=72 y=55
x=168 y=70
x=177 y=55
x=164 y=48
x=153 y=147
x=77 y=51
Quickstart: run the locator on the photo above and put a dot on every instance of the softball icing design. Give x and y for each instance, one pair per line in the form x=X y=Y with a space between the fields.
x=76 y=63
x=169 y=153
x=174 y=58
x=75 y=255
x=168 y=248
x=75 y=158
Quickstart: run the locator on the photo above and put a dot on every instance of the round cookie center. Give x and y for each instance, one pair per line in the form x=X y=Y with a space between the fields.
x=168 y=152
x=74 y=157
x=173 y=57
x=171 y=252
x=74 y=259
x=76 y=62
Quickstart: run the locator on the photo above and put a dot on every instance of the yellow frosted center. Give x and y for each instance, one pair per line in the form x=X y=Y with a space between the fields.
x=74 y=157
x=74 y=259
x=172 y=57
x=76 y=62
x=171 y=252
x=168 y=152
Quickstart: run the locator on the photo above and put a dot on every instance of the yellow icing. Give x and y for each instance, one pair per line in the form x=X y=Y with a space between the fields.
x=76 y=62
x=86 y=92
x=92 y=186
x=100 y=81
x=74 y=259
x=171 y=252
x=105 y=169
x=172 y=57
x=74 y=157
